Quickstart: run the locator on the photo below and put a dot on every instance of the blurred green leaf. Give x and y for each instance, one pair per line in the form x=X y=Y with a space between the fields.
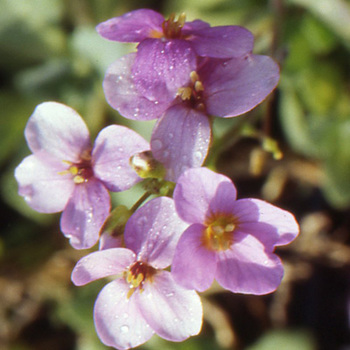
x=286 y=340
x=334 y=13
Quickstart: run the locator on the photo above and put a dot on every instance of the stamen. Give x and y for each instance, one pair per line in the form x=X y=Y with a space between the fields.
x=194 y=76
x=185 y=93
x=198 y=86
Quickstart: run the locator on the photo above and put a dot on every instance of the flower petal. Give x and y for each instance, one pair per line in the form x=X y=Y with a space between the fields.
x=162 y=67
x=269 y=224
x=118 y=320
x=222 y=41
x=247 y=268
x=57 y=131
x=41 y=185
x=200 y=192
x=173 y=312
x=123 y=96
x=101 y=264
x=85 y=213
x=236 y=86
x=193 y=266
x=134 y=26
x=113 y=148
x=153 y=230
x=180 y=140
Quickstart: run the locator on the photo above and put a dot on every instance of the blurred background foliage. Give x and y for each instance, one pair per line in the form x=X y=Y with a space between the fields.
x=49 y=50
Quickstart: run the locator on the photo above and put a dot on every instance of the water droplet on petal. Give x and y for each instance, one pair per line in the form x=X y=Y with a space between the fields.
x=124 y=329
x=156 y=145
x=171 y=135
x=198 y=155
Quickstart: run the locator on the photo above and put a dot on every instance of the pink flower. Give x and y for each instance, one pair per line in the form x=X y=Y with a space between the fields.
x=230 y=240
x=65 y=173
x=169 y=47
x=144 y=299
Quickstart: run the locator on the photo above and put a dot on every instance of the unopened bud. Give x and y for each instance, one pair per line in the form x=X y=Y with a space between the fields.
x=146 y=166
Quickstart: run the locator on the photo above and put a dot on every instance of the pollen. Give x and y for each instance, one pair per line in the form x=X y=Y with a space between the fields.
x=193 y=93
x=172 y=28
x=136 y=276
x=219 y=232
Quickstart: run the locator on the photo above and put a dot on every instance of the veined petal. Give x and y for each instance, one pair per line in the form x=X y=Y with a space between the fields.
x=222 y=41
x=236 y=86
x=173 y=312
x=118 y=320
x=57 y=131
x=85 y=213
x=113 y=148
x=41 y=185
x=162 y=67
x=152 y=232
x=193 y=266
x=247 y=268
x=200 y=192
x=101 y=264
x=122 y=95
x=134 y=26
x=180 y=140
x=271 y=225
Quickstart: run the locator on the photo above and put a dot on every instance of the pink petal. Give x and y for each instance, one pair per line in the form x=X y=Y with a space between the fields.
x=247 y=268
x=123 y=96
x=57 y=132
x=85 y=213
x=222 y=41
x=118 y=320
x=201 y=192
x=107 y=241
x=173 y=312
x=134 y=26
x=180 y=140
x=41 y=185
x=113 y=148
x=153 y=230
x=193 y=266
x=101 y=264
x=162 y=67
x=236 y=86
x=271 y=225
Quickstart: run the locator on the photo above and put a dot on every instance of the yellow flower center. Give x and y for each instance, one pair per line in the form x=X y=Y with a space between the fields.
x=171 y=28
x=136 y=276
x=193 y=94
x=219 y=232
x=81 y=171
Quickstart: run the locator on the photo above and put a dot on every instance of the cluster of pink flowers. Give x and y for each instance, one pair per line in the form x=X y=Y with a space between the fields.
x=183 y=74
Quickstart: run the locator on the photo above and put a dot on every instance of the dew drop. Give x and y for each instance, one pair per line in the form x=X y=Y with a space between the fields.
x=162 y=52
x=198 y=155
x=124 y=329
x=165 y=154
x=171 y=135
x=169 y=295
x=156 y=102
x=157 y=145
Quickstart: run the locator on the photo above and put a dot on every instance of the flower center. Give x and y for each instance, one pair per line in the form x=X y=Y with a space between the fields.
x=219 y=232
x=81 y=171
x=137 y=275
x=193 y=94
x=171 y=28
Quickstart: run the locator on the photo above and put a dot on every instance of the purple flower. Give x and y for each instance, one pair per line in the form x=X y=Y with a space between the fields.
x=230 y=240
x=144 y=299
x=65 y=173
x=169 y=47
x=222 y=88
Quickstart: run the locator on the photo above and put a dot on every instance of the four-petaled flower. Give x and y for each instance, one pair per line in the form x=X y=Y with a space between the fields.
x=65 y=173
x=215 y=87
x=168 y=48
x=144 y=299
x=230 y=240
